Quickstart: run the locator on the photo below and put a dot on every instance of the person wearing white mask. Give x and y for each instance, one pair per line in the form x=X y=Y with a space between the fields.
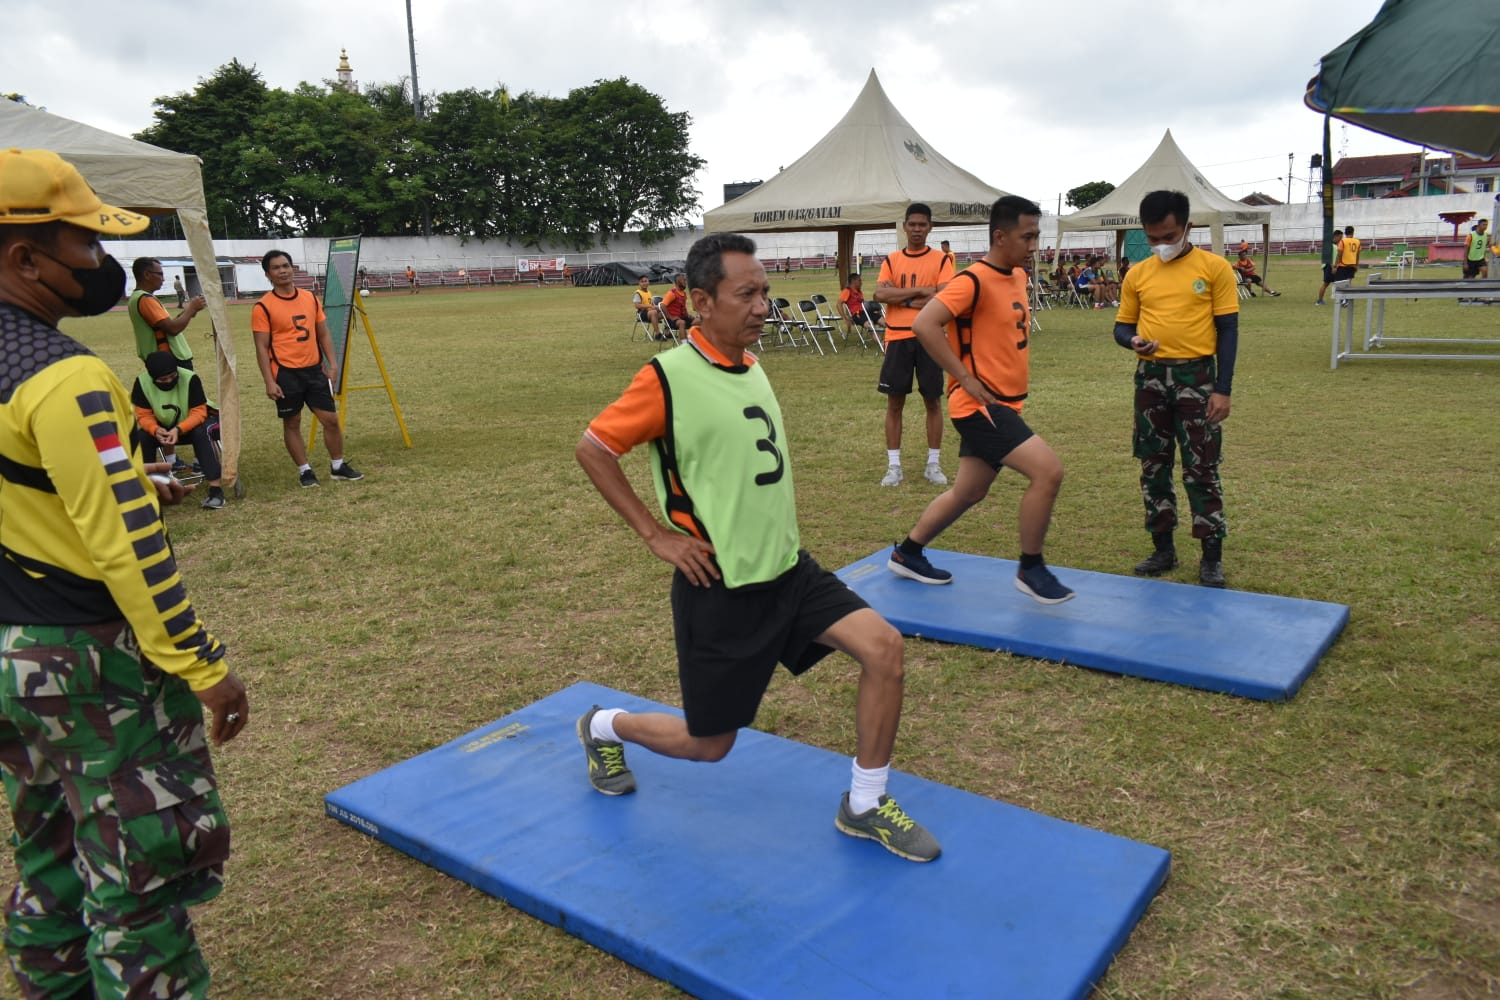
x=1179 y=313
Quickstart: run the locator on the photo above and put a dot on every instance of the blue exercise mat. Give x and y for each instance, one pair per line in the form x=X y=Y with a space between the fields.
x=1253 y=645
x=729 y=879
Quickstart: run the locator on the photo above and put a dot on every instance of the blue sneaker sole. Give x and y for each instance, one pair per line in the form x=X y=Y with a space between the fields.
x=1021 y=586
x=912 y=574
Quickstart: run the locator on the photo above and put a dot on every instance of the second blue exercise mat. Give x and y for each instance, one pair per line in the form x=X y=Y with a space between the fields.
x=1253 y=645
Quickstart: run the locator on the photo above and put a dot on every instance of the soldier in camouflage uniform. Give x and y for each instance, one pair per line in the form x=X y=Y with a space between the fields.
x=104 y=665
x=1179 y=312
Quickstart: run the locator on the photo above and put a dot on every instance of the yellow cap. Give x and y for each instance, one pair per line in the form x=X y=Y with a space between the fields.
x=37 y=185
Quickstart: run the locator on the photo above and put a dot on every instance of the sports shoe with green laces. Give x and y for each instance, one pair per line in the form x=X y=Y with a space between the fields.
x=607 y=770
x=890 y=827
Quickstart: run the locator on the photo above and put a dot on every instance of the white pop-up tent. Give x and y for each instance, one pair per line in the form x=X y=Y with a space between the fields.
x=861 y=175
x=1167 y=169
x=153 y=181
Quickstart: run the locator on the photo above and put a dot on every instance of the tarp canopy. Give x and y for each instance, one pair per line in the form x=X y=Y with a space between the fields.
x=1422 y=71
x=1166 y=169
x=861 y=175
x=153 y=181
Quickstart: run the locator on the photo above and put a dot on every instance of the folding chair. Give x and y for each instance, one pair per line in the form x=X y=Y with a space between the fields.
x=815 y=324
x=1242 y=286
x=836 y=316
x=875 y=312
x=778 y=326
x=794 y=331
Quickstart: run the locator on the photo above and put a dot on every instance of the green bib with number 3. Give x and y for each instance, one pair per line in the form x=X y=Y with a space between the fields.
x=723 y=471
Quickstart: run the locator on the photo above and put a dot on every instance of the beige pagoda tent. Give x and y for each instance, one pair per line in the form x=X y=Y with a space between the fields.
x=153 y=181
x=1167 y=169
x=861 y=175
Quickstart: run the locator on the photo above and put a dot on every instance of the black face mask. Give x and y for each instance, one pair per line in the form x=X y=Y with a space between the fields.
x=102 y=286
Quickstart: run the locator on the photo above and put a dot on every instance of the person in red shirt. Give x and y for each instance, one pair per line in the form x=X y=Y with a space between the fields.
x=674 y=304
x=852 y=301
x=1246 y=268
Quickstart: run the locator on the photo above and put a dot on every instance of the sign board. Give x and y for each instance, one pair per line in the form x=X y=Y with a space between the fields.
x=340 y=286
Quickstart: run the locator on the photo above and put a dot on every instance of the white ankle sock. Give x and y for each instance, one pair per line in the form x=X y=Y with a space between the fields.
x=933 y=454
x=893 y=456
x=602 y=726
x=866 y=787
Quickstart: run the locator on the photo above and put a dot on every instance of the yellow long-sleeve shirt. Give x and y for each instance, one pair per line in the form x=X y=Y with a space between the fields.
x=81 y=537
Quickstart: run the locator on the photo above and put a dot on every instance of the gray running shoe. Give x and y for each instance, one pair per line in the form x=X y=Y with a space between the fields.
x=889 y=827
x=892 y=477
x=934 y=474
x=607 y=770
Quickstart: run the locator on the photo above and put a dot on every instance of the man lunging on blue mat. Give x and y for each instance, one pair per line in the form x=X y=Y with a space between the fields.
x=1180 y=314
x=744 y=596
x=988 y=370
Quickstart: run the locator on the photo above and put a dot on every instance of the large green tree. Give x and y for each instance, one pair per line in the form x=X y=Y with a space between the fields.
x=319 y=160
x=215 y=122
x=1085 y=195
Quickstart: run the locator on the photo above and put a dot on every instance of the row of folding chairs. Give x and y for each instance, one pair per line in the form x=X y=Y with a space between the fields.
x=811 y=322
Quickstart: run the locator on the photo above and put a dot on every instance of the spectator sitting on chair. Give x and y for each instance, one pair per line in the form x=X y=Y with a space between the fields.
x=1246 y=268
x=852 y=301
x=674 y=305
x=1088 y=281
x=170 y=409
x=1122 y=269
x=646 y=309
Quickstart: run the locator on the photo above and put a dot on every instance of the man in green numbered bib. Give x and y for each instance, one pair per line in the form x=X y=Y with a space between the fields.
x=744 y=595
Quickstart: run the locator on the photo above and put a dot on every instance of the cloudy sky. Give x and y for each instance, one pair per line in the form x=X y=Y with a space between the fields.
x=1033 y=97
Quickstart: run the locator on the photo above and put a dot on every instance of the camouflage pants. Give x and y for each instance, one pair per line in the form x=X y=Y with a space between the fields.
x=1171 y=406
x=118 y=825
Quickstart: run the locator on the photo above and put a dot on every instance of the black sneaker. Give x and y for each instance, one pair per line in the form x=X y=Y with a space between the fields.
x=1211 y=573
x=1157 y=563
x=308 y=479
x=1039 y=583
x=607 y=770
x=347 y=473
x=916 y=568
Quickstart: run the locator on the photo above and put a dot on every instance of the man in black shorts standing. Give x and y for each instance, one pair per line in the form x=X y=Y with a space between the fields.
x=909 y=278
x=744 y=594
x=296 y=360
x=988 y=364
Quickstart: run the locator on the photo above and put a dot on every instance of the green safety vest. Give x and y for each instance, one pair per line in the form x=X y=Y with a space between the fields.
x=1479 y=245
x=146 y=338
x=169 y=405
x=726 y=448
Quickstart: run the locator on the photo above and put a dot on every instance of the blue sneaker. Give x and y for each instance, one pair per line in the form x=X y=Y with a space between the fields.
x=916 y=568
x=1039 y=584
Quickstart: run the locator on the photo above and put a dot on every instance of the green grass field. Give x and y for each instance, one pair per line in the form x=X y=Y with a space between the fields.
x=1341 y=845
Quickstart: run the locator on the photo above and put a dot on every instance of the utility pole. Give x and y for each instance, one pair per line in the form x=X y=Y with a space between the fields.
x=1289 y=177
x=416 y=106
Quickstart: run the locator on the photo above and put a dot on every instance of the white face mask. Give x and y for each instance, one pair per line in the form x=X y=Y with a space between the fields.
x=1167 y=251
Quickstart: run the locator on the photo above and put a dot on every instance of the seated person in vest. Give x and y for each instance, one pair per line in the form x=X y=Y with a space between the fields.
x=646 y=310
x=1245 y=267
x=171 y=408
x=852 y=301
x=674 y=305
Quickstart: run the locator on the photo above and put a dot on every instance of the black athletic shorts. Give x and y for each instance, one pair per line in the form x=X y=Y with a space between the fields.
x=977 y=438
x=902 y=358
x=303 y=387
x=729 y=641
x=1471 y=268
x=1345 y=272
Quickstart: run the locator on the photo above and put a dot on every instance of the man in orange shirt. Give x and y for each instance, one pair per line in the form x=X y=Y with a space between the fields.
x=909 y=278
x=296 y=359
x=1246 y=268
x=987 y=358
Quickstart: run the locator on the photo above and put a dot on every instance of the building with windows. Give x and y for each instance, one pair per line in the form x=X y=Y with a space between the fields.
x=1404 y=175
